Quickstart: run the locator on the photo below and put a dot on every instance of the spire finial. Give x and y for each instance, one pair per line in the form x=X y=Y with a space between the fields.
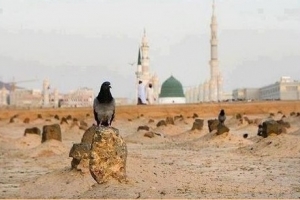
x=144 y=31
x=213 y=7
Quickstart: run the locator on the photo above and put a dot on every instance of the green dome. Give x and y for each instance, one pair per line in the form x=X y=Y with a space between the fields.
x=171 y=88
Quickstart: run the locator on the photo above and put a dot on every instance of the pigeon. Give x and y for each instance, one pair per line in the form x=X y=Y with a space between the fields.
x=104 y=106
x=222 y=117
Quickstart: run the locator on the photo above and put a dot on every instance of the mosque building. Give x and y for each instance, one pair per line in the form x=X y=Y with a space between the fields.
x=171 y=92
x=143 y=69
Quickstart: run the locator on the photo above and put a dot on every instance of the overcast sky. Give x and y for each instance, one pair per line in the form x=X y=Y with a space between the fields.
x=81 y=43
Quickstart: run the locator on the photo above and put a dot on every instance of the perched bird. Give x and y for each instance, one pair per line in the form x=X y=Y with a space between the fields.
x=104 y=106
x=222 y=117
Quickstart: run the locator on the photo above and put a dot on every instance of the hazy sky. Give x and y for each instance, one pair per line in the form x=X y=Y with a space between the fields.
x=78 y=43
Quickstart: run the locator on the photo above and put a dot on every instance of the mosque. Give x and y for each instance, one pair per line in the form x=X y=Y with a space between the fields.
x=171 y=90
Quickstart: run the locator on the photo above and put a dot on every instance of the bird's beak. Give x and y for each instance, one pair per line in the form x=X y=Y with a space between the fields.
x=109 y=86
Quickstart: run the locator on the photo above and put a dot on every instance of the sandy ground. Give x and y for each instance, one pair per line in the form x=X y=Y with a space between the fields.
x=179 y=164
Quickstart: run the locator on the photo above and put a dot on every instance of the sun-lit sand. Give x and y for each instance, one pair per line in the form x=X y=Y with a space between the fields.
x=175 y=163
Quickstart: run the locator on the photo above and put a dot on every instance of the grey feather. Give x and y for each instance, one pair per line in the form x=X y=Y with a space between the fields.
x=104 y=111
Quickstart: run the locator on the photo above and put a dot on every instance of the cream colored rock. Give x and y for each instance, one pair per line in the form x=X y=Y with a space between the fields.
x=108 y=155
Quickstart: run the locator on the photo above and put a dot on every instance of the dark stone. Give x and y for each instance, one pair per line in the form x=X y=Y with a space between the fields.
x=12 y=119
x=56 y=117
x=15 y=116
x=149 y=134
x=89 y=135
x=83 y=125
x=221 y=128
x=270 y=127
x=69 y=117
x=151 y=121
x=238 y=116
x=34 y=130
x=292 y=114
x=212 y=124
x=195 y=115
x=64 y=121
x=75 y=163
x=178 y=117
x=284 y=124
x=260 y=130
x=79 y=152
x=51 y=132
x=249 y=121
x=146 y=128
x=245 y=135
x=26 y=120
x=169 y=120
x=198 y=124
x=39 y=116
x=161 y=123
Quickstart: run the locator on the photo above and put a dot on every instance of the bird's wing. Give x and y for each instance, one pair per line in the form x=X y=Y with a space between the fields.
x=112 y=118
x=95 y=106
x=96 y=116
x=113 y=107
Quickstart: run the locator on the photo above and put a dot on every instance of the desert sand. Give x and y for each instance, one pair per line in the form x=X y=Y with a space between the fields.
x=177 y=163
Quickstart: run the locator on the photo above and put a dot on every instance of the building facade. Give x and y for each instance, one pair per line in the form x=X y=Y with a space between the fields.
x=285 y=89
x=82 y=97
x=243 y=94
x=20 y=97
x=4 y=96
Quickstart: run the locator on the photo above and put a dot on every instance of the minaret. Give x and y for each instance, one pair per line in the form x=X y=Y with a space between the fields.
x=143 y=70
x=145 y=55
x=214 y=69
x=46 y=93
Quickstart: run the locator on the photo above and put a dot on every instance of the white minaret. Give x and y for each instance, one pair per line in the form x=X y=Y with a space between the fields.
x=46 y=92
x=215 y=82
x=145 y=55
x=143 y=69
